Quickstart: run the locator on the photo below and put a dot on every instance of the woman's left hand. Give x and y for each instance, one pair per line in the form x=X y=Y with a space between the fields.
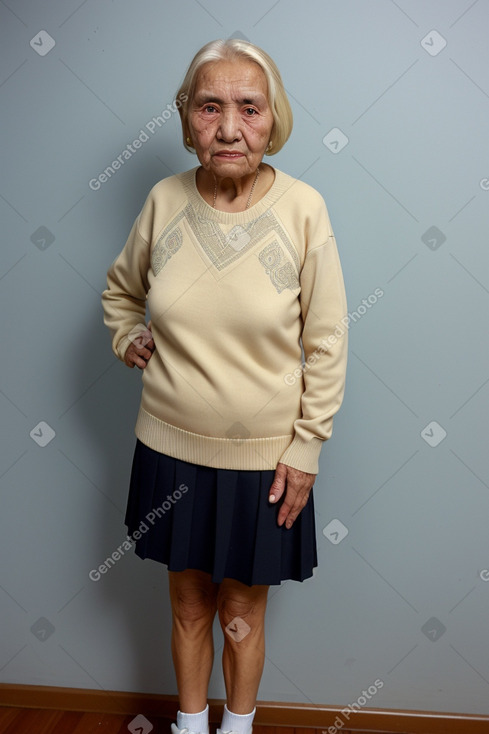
x=297 y=485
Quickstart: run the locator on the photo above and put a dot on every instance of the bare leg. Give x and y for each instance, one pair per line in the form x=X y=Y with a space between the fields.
x=242 y=661
x=193 y=599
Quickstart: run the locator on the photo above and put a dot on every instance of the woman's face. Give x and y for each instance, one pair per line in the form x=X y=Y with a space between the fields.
x=229 y=119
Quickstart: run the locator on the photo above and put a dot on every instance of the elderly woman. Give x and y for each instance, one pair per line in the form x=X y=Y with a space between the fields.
x=238 y=265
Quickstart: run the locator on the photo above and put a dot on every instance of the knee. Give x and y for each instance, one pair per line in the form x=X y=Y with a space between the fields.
x=192 y=605
x=232 y=606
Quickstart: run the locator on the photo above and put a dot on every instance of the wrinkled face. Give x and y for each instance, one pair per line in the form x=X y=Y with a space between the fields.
x=229 y=120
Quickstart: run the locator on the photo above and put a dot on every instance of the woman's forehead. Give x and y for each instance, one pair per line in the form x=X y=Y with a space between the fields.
x=231 y=73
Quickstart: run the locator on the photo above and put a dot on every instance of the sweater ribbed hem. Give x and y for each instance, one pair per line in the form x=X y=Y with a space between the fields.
x=254 y=454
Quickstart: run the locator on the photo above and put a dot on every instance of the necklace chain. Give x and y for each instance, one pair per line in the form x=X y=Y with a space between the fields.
x=249 y=197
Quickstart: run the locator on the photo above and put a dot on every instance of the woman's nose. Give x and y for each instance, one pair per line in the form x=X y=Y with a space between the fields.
x=229 y=128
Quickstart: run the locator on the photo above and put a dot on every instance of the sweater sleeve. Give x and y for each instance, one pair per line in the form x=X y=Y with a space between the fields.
x=324 y=340
x=124 y=300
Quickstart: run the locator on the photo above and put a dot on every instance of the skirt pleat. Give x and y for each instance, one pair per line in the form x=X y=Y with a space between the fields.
x=216 y=520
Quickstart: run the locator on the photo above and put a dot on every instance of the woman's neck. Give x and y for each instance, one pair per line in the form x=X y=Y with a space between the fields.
x=235 y=195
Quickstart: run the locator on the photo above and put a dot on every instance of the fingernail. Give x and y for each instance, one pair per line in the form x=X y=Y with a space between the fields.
x=272 y=498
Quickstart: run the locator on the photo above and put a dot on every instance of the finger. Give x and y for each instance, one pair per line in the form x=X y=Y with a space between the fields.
x=285 y=512
x=139 y=362
x=133 y=359
x=288 y=504
x=145 y=353
x=278 y=485
x=291 y=508
x=292 y=517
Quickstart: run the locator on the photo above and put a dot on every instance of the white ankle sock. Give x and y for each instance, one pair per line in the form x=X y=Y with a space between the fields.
x=194 y=722
x=239 y=723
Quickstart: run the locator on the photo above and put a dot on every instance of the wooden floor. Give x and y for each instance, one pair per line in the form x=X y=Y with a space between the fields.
x=42 y=721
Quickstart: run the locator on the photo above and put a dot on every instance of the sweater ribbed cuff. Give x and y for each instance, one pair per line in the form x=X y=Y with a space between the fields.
x=303 y=455
x=121 y=348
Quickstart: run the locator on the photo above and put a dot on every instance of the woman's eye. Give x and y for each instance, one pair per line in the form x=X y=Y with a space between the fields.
x=250 y=111
x=209 y=108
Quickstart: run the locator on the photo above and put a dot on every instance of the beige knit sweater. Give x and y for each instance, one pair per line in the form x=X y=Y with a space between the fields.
x=231 y=296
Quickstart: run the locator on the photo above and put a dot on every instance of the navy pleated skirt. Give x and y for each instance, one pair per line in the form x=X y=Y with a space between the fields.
x=217 y=520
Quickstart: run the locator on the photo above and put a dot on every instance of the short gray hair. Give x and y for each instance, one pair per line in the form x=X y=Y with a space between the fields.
x=230 y=50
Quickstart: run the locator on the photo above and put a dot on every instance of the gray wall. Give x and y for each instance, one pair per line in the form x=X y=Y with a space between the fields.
x=402 y=598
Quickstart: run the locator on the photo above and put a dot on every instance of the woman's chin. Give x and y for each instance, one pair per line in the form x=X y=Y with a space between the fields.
x=232 y=167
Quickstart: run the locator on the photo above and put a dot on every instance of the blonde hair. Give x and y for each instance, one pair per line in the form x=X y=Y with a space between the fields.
x=230 y=50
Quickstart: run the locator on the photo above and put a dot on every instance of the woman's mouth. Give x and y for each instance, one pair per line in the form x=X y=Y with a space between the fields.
x=228 y=154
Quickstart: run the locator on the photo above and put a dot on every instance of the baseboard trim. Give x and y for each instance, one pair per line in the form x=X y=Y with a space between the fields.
x=269 y=713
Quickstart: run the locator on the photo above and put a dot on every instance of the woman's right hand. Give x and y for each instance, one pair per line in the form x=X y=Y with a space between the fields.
x=139 y=351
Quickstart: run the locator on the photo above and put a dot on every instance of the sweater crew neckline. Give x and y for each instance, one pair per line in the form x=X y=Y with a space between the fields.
x=280 y=185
